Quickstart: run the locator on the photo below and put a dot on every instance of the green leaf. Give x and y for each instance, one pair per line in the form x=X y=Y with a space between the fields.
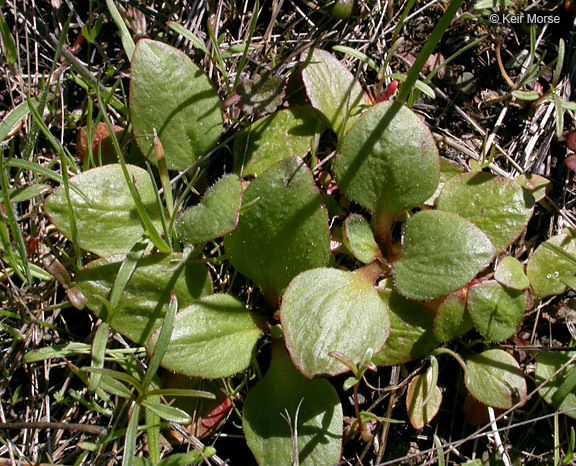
x=287 y=133
x=510 y=273
x=442 y=253
x=147 y=294
x=215 y=216
x=312 y=407
x=547 y=364
x=359 y=239
x=332 y=89
x=127 y=41
x=388 y=161
x=527 y=95
x=214 y=337
x=422 y=388
x=172 y=95
x=546 y=269
x=28 y=192
x=452 y=320
x=536 y=184
x=495 y=309
x=109 y=222
x=329 y=310
x=282 y=230
x=187 y=459
x=9 y=44
x=263 y=93
x=496 y=379
x=411 y=335
x=169 y=413
x=500 y=207
x=115 y=387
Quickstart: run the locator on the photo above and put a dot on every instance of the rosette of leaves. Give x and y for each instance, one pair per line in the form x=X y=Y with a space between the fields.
x=275 y=231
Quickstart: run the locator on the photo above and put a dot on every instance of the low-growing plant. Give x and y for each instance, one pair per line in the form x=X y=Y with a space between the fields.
x=419 y=260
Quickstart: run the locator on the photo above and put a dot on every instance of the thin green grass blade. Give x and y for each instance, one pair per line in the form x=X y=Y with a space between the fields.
x=163 y=341
x=124 y=274
x=569 y=257
x=218 y=55
x=130 y=438
x=125 y=37
x=10 y=52
x=169 y=413
x=559 y=63
x=14 y=117
x=33 y=133
x=359 y=55
x=427 y=50
x=148 y=225
x=178 y=28
x=30 y=166
x=251 y=31
x=153 y=431
x=115 y=375
x=13 y=222
x=182 y=392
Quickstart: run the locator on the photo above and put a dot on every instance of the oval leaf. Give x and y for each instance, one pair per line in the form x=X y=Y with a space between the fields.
x=536 y=184
x=500 y=207
x=546 y=269
x=332 y=89
x=548 y=364
x=215 y=216
x=452 y=320
x=172 y=95
x=109 y=223
x=496 y=379
x=282 y=230
x=388 y=161
x=510 y=273
x=495 y=309
x=442 y=253
x=287 y=133
x=329 y=310
x=420 y=390
x=147 y=293
x=285 y=411
x=213 y=338
x=411 y=336
x=359 y=239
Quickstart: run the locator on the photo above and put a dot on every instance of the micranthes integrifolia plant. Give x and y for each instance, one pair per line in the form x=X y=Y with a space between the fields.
x=425 y=243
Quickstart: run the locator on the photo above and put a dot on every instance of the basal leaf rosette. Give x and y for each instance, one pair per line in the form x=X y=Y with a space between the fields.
x=329 y=310
x=442 y=252
x=498 y=206
x=388 y=161
x=170 y=94
x=282 y=229
x=313 y=410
